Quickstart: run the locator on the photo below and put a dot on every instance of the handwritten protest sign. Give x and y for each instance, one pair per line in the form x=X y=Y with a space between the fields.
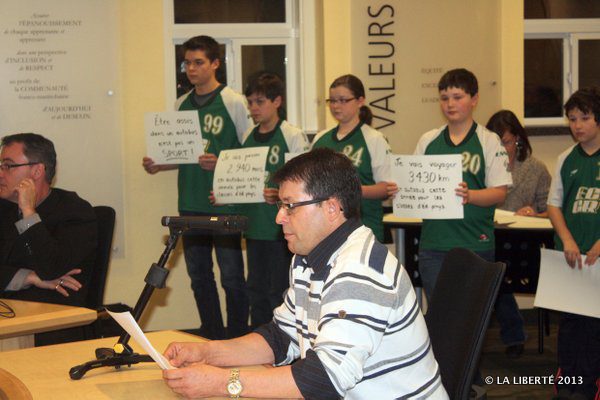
x=173 y=137
x=426 y=186
x=240 y=176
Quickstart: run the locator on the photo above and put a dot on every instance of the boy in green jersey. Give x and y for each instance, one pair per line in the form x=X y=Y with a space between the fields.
x=223 y=121
x=574 y=209
x=485 y=181
x=366 y=147
x=268 y=255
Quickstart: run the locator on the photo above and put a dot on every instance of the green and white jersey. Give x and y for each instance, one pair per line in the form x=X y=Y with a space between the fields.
x=576 y=190
x=369 y=152
x=285 y=138
x=484 y=162
x=223 y=121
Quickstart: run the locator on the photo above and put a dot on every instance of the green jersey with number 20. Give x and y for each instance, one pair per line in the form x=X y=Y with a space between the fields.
x=484 y=165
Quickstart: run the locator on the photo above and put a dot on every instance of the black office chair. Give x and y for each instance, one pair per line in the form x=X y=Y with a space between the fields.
x=105 y=216
x=458 y=316
x=105 y=219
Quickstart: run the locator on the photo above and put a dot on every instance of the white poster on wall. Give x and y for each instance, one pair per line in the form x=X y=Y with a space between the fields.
x=426 y=186
x=240 y=176
x=58 y=77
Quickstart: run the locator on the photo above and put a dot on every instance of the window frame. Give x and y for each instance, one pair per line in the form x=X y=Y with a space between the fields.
x=235 y=35
x=571 y=31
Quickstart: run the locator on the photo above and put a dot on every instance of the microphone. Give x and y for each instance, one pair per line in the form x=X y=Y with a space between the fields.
x=230 y=223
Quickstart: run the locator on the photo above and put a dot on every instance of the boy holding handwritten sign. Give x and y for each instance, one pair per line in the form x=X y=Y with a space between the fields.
x=223 y=121
x=574 y=209
x=485 y=181
x=268 y=254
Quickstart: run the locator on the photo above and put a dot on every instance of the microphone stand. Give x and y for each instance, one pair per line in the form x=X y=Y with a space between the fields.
x=121 y=353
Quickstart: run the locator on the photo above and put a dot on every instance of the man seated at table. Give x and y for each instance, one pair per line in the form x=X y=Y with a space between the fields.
x=350 y=317
x=47 y=235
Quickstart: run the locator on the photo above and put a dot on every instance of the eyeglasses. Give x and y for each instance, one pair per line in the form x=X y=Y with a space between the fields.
x=7 y=167
x=186 y=64
x=289 y=207
x=341 y=101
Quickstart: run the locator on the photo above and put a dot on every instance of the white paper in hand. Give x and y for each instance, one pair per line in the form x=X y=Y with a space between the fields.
x=563 y=288
x=125 y=319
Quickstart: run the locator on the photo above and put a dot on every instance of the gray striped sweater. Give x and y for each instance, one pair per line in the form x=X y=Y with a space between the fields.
x=351 y=318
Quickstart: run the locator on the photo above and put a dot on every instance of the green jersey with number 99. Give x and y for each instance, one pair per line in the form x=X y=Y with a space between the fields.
x=223 y=121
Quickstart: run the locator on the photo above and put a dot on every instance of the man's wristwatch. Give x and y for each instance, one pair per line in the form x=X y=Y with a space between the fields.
x=234 y=386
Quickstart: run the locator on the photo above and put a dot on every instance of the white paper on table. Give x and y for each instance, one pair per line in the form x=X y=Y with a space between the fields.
x=240 y=175
x=563 y=288
x=173 y=137
x=426 y=186
x=503 y=217
x=125 y=319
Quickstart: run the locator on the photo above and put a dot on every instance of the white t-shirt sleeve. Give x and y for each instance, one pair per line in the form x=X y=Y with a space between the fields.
x=238 y=111
x=317 y=137
x=556 y=195
x=496 y=159
x=296 y=140
x=247 y=134
x=180 y=100
x=379 y=150
x=426 y=139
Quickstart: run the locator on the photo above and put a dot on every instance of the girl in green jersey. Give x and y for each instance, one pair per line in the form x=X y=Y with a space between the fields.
x=366 y=147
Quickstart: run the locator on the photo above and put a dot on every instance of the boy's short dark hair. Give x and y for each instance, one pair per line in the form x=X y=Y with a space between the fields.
x=459 y=78
x=267 y=84
x=37 y=149
x=325 y=173
x=207 y=44
x=587 y=100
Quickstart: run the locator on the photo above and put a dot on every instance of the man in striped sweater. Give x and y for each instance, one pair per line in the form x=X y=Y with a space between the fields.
x=349 y=320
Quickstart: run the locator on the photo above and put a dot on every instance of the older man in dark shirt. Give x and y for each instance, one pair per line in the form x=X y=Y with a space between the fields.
x=48 y=236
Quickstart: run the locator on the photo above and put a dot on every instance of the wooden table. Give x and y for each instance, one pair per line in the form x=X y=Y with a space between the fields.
x=32 y=317
x=45 y=371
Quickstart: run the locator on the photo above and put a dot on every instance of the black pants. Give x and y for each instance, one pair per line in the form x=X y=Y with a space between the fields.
x=579 y=355
x=268 y=277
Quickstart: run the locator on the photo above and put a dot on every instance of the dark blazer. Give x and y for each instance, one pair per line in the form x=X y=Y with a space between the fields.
x=66 y=238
